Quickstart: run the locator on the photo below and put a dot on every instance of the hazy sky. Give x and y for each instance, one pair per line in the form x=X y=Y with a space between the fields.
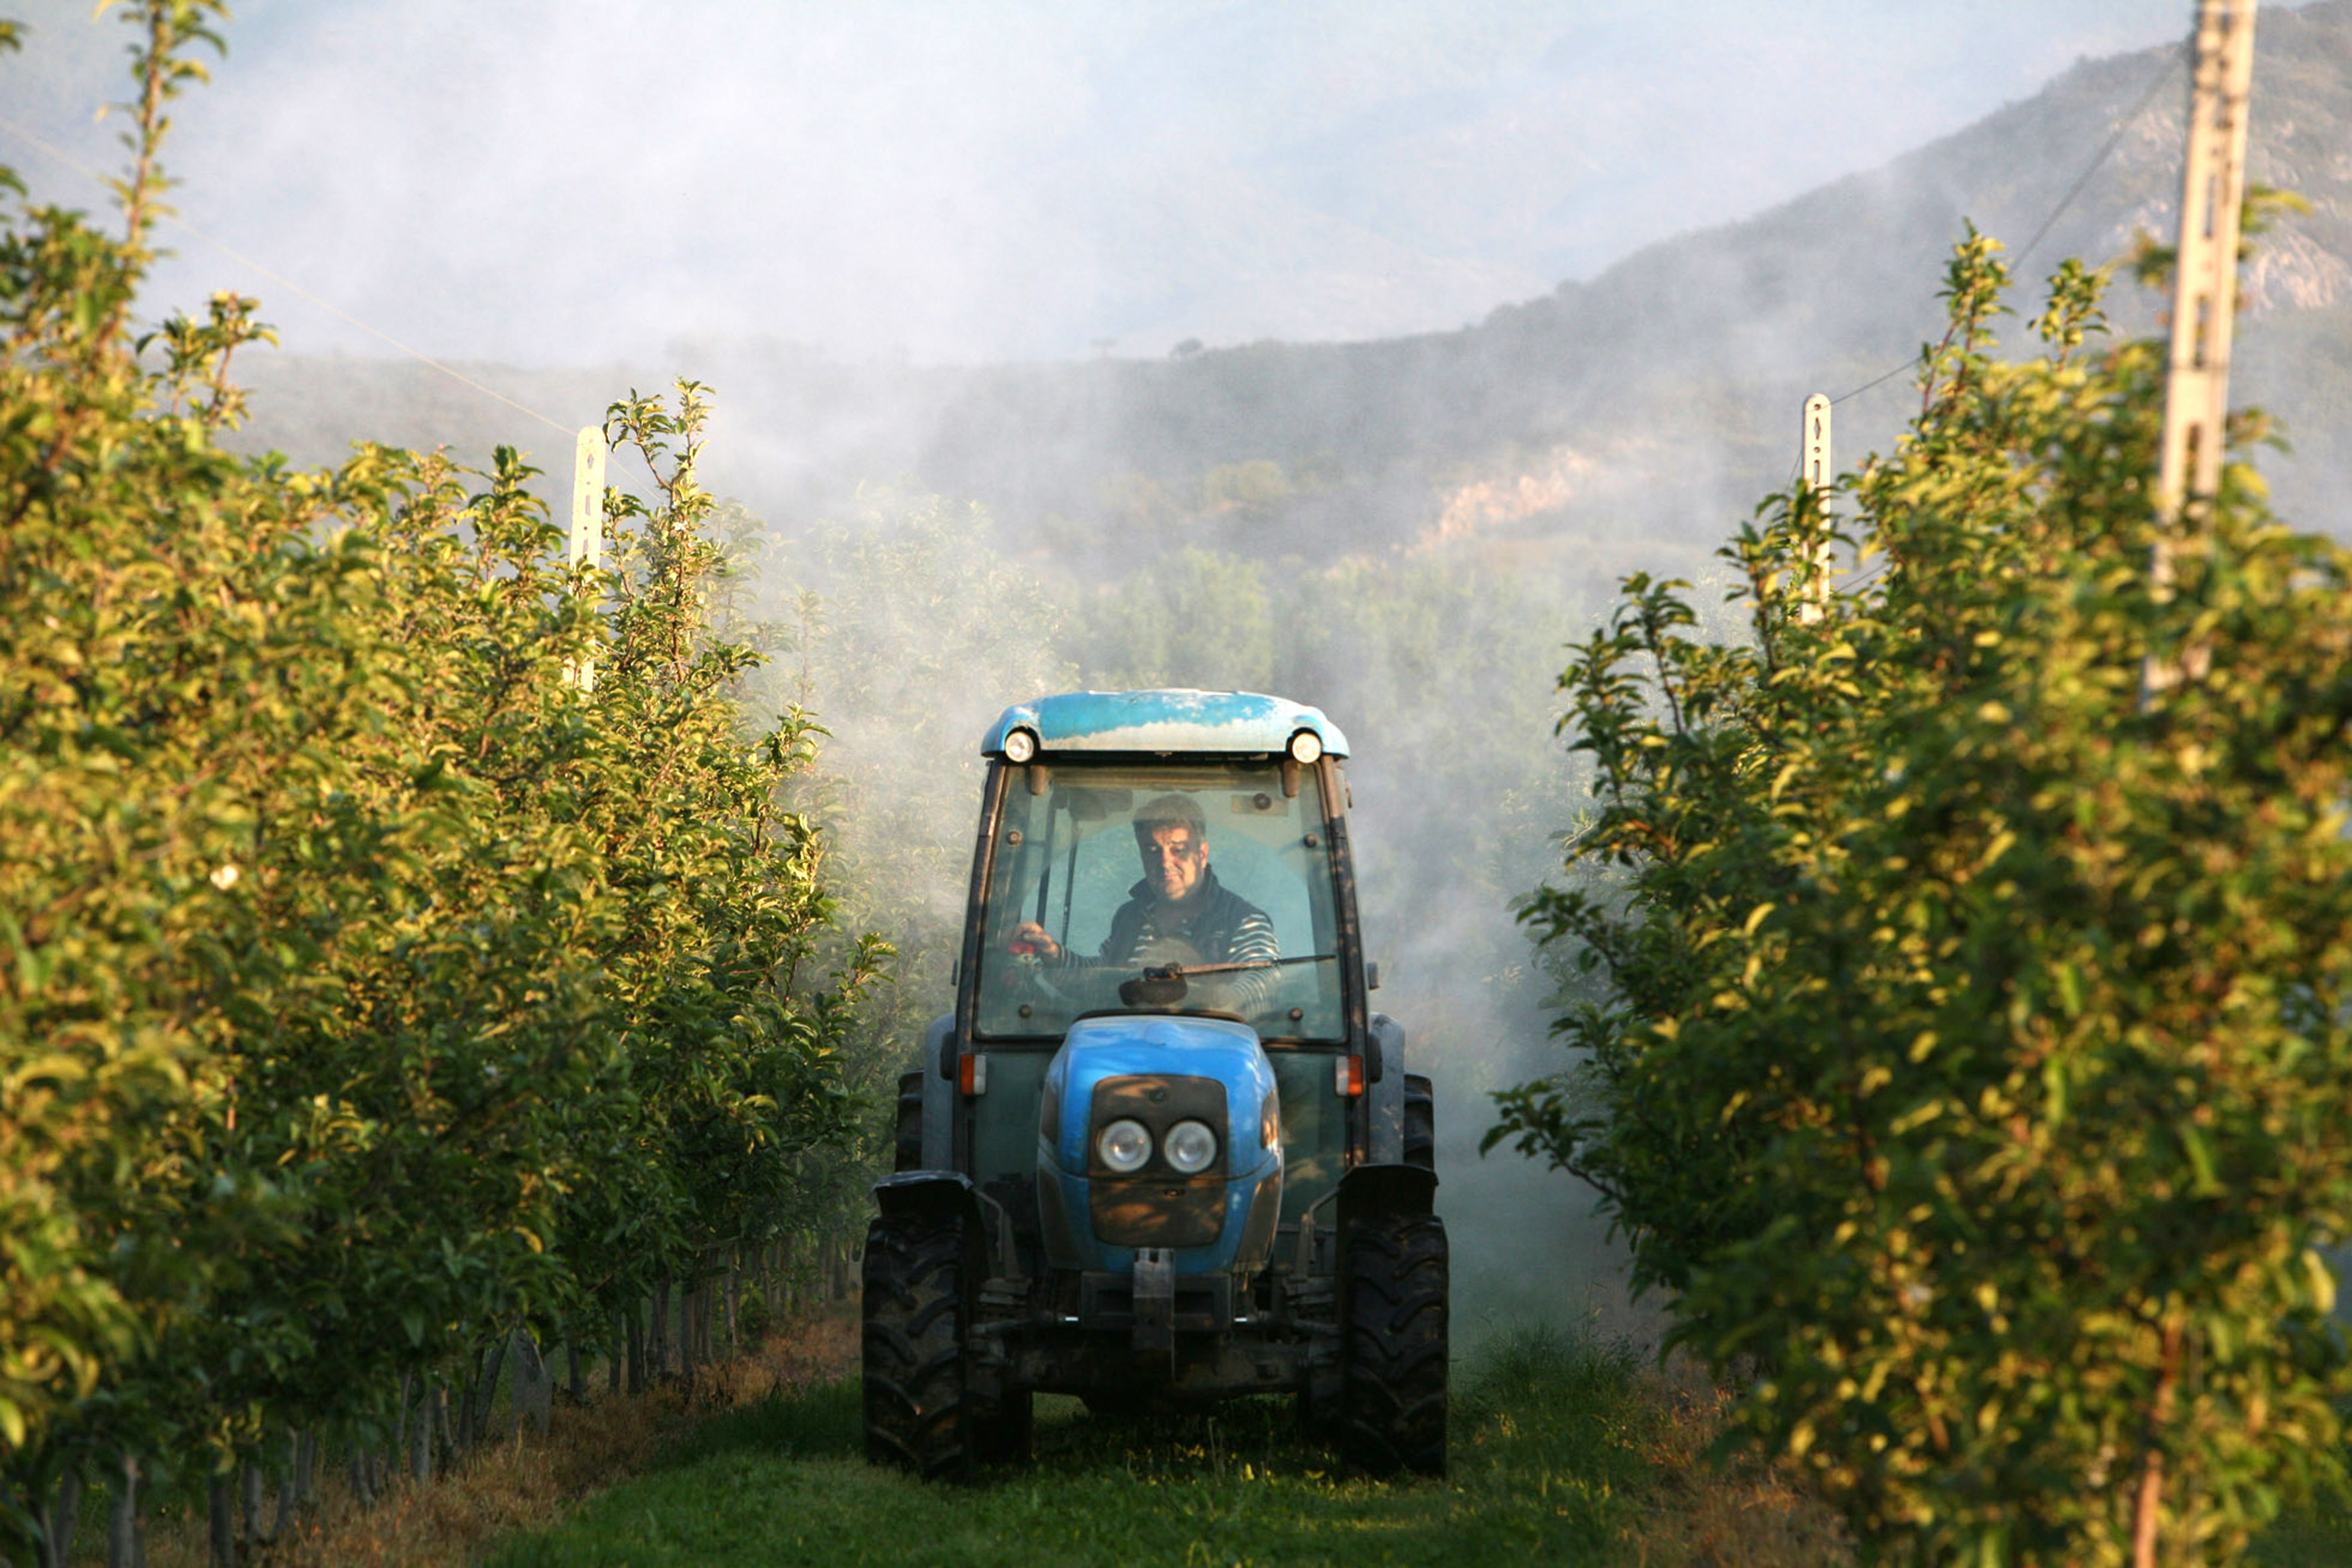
x=576 y=181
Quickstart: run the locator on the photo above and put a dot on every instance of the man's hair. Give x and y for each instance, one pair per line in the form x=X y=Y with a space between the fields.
x=1171 y=811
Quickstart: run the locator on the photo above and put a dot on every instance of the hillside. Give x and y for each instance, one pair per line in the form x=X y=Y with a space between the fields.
x=1653 y=401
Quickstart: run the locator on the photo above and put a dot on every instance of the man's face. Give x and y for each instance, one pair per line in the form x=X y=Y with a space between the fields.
x=1173 y=860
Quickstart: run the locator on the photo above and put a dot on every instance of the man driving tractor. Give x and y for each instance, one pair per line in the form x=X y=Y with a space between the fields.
x=1179 y=914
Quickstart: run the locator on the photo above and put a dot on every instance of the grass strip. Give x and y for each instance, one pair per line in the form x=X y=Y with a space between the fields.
x=1565 y=1451
x=1548 y=1463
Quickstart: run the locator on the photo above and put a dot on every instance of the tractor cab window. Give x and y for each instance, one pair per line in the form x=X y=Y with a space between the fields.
x=1168 y=885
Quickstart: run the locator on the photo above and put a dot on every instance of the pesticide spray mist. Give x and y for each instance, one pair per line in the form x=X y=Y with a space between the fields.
x=916 y=622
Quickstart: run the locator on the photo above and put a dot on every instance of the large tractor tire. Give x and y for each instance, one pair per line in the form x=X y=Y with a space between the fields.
x=1420 y=1122
x=1393 y=1319
x=918 y=1410
x=908 y=1131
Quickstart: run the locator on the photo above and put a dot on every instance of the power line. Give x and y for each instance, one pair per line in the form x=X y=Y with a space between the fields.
x=2098 y=161
x=2106 y=147
x=337 y=312
x=1875 y=380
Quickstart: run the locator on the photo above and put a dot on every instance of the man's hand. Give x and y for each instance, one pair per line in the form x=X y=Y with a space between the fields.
x=1032 y=935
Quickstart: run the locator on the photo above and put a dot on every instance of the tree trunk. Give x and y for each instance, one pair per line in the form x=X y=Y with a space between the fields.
x=250 y=1474
x=2147 y=1505
x=64 y=1519
x=576 y=1383
x=123 y=1517
x=220 y=1519
x=289 y=1486
x=400 y=1419
x=420 y=1431
x=714 y=1290
x=306 y=1469
x=734 y=1299
x=461 y=1405
x=635 y=1329
x=658 y=1339
x=702 y=1313
x=531 y=1389
x=493 y=1365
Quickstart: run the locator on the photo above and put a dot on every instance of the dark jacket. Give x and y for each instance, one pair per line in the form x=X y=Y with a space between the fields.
x=1219 y=923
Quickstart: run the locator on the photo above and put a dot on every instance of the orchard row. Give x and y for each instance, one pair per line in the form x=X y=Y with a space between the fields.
x=1966 y=1036
x=370 y=988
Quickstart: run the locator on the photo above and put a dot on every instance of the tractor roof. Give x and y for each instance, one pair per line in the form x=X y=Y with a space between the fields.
x=1176 y=720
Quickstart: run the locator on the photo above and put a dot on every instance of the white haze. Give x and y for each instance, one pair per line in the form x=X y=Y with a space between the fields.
x=545 y=183
x=575 y=185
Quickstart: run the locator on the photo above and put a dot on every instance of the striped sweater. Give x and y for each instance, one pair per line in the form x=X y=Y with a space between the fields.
x=1218 y=924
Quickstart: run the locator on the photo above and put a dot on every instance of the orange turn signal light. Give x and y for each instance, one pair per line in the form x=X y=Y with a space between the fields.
x=1347 y=1076
x=972 y=1073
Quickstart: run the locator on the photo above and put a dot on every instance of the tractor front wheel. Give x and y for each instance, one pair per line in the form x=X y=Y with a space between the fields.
x=1394 y=1320
x=916 y=1369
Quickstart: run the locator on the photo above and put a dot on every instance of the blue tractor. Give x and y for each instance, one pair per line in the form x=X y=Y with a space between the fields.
x=1163 y=1153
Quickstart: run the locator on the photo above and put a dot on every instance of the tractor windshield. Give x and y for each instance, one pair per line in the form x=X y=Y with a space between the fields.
x=1192 y=885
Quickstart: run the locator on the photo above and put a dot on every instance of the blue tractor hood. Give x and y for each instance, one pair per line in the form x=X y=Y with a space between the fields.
x=1243 y=722
x=1115 y=1047
x=1121 y=1044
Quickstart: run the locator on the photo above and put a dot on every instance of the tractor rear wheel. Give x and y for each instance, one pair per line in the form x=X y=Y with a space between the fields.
x=917 y=1402
x=1394 y=1318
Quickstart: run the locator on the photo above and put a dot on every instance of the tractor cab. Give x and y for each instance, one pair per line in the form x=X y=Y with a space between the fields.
x=1162 y=1149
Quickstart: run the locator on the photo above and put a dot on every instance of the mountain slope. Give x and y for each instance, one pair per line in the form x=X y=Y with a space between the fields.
x=1658 y=400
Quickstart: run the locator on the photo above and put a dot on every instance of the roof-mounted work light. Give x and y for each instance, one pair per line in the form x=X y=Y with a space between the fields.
x=1305 y=746
x=1020 y=745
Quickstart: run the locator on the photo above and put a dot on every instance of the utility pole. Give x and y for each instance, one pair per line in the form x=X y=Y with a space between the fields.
x=2197 y=407
x=2204 y=287
x=587 y=521
x=1814 y=471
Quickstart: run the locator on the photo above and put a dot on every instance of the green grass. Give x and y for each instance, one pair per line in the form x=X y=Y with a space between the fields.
x=1546 y=1468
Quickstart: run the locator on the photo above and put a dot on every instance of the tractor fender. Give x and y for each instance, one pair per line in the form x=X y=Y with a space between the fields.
x=939 y=1095
x=942 y=1196
x=932 y=1196
x=1384 y=1089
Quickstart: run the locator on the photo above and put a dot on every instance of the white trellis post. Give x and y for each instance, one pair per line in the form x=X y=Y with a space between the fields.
x=2204 y=286
x=1814 y=472
x=588 y=519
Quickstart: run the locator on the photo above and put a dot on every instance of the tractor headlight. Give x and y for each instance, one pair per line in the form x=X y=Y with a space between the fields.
x=1191 y=1147
x=1124 y=1145
x=1020 y=745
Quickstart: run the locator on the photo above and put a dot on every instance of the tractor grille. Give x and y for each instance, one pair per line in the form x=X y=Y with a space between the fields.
x=1156 y=1211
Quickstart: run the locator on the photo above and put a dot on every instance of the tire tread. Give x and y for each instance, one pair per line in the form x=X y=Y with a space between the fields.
x=1396 y=1349
x=916 y=1398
